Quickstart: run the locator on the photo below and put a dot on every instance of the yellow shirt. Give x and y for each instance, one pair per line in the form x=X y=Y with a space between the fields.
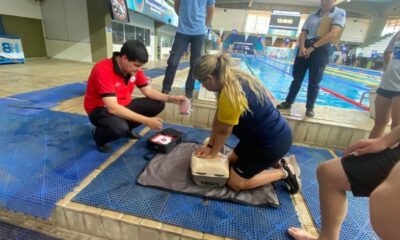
x=226 y=111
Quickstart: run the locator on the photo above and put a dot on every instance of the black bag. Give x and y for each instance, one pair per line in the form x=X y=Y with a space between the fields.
x=165 y=140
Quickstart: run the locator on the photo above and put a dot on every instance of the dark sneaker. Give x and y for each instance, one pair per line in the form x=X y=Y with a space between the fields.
x=133 y=135
x=279 y=163
x=290 y=181
x=284 y=105
x=293 y=181
x=105 y=148
x=102 y=148
x=309 y=113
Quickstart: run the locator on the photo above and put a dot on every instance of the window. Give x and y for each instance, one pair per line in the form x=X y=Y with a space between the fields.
x=167 y=40
x=392 y=26
x=117 y=32
x=147 y=37
x=257 y=23
x=140 y=34
x=123 y=32
x=130 y=33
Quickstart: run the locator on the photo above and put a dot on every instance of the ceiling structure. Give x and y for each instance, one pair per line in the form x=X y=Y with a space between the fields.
x=355 y=8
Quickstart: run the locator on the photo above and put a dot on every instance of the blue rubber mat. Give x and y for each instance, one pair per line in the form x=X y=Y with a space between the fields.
x=11 y=232
x=55 y=94
x=38 y=101
x=116 y=189
x=356 y=224
x=156 y=72
x=183 y=65
x=43 y=157
x=338 y=153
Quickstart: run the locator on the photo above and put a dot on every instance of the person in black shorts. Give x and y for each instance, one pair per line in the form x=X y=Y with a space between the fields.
x=387 y=101
x=363 y=170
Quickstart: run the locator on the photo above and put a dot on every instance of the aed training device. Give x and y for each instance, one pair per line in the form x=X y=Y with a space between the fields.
x=210 y=171
x=165 y=140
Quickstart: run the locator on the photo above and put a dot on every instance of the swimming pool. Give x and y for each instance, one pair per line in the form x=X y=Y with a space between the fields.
x=341 y=86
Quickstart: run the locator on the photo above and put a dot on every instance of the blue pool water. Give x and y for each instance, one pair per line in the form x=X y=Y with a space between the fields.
x=346 y=81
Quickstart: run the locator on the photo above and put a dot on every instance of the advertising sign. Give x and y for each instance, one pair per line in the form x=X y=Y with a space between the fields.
x=243 y=47
x=11 y=49
x=162 y=10
x=284 y=21
x=284 y=25
x=119 y=10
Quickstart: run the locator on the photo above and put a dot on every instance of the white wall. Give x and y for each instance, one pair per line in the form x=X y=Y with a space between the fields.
x=229 y=19
x=75 y=51
x=66 y=29
x=355 y=30
x=21 y=8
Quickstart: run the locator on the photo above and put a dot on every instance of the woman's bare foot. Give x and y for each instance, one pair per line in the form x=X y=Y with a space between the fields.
x=300 y=234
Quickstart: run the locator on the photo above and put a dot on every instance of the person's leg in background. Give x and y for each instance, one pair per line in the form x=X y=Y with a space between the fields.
x=383 y=106
x=196 y=50
x=318 y=61
x=395 y=111
x=179 y=46
x=333 y=184
x=360 y=174
x=384 y=206
x=300 y=66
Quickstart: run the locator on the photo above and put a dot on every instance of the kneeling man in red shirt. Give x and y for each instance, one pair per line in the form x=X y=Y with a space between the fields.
x=108 y=97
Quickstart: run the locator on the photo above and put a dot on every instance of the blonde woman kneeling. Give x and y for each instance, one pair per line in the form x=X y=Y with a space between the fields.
x=245 y=110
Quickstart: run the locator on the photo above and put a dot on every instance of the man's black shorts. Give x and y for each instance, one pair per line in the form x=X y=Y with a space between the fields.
x=366 y=172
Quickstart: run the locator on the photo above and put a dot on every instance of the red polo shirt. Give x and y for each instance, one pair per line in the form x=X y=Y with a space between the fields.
x=106 y=79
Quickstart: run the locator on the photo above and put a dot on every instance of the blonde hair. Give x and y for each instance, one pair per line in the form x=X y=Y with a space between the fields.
x=220 y=66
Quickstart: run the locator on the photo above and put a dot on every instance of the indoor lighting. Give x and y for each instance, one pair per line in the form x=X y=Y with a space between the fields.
x=285 y=12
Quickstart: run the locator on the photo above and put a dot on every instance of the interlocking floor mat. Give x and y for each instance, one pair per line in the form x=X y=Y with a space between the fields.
x=43 y=156
x=116 y=189
x=356 y=224
x=11 y=232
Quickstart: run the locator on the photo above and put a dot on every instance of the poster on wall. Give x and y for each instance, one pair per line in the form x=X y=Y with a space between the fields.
x=119 y=10
x=162 y=10
x=11 y=49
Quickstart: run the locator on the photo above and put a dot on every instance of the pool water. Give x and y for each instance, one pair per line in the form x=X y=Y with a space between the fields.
x=341 y=86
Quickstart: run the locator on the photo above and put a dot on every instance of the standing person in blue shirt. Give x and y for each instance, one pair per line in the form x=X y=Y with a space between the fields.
x=313 y=54
x=195 y=17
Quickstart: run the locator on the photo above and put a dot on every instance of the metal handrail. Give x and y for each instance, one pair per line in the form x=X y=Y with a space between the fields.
x=363 y=96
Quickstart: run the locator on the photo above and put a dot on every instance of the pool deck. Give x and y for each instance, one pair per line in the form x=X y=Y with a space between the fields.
x=331 y=127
